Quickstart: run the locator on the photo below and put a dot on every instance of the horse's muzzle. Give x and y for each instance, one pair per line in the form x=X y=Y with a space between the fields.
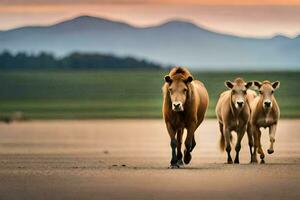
x=177 y=106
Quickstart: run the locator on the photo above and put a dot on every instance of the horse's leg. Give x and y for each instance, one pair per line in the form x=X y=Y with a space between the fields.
x=188 y=144
x=179 y=142
x=193 y=143
x=272 y=131
x=260 y=150
x=250 y=141
x=256 y=143
x=221 y=128
x=227 y=134
x=222 y=138
x=240 y=134
x=172 y=133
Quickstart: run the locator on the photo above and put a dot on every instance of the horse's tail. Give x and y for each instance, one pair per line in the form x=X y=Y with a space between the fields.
x=222 y=141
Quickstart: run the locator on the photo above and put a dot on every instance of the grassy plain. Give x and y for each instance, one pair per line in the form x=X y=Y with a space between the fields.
x=118 y=94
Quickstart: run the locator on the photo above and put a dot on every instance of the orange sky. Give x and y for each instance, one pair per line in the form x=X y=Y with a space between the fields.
x=235 y=2
x=245 y=18
x=198 y=2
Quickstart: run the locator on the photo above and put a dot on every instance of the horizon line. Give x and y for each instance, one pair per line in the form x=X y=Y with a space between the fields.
x=161 y=23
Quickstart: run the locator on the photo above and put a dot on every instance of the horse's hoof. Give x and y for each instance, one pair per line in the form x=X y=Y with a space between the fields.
x=229 y=162
x=236 y=162
x=270 y=151
x=174 y=166
x=187 y=158
x=253 y=161
x=180 y=163
x=262 y=162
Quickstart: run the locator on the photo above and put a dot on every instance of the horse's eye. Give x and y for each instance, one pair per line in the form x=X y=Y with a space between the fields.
x=184 y=89
x=170 y=90
x=260 y=92
x=272 y=91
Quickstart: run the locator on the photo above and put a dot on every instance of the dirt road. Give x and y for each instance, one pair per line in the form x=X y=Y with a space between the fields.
x=129 y=159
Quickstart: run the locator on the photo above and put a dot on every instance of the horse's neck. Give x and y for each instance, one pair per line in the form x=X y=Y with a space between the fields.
x=236 y=112
x=233 y=110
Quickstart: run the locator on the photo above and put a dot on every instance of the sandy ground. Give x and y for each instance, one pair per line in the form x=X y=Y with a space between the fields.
x=129 y=159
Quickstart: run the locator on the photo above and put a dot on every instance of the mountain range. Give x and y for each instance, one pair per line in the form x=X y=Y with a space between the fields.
x=175 y=42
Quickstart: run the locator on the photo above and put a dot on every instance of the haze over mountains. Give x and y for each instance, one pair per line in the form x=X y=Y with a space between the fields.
x=175 y=42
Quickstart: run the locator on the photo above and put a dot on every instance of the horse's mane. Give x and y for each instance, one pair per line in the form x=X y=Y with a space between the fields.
x=266 y=82
x=239 y=80
x=179 y=73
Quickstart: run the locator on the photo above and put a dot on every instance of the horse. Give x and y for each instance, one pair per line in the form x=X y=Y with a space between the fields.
x=265 y=113
x=233 y=114
x=185 y=101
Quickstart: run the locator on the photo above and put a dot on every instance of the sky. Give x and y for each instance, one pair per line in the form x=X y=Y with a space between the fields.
x=250 y=18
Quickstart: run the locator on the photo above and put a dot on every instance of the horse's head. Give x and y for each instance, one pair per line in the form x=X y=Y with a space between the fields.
x=178 y=89
x=266 y=91
x=238 y=92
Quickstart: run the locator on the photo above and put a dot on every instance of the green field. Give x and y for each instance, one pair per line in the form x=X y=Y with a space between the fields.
x=117 y=94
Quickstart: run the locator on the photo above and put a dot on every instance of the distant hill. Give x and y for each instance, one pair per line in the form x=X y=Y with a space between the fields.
x=72 y=61
x=175 y=42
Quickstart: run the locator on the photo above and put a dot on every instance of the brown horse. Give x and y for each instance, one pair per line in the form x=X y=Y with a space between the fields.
x=233 y=113
x=264 y=113
x=185 y=102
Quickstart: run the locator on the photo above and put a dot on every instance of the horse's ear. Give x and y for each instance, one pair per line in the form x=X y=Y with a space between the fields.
x=257 y=84
x=248 y=84
x=229 y=84
x=168 y=79
x=189 y=79
x=276 y=85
